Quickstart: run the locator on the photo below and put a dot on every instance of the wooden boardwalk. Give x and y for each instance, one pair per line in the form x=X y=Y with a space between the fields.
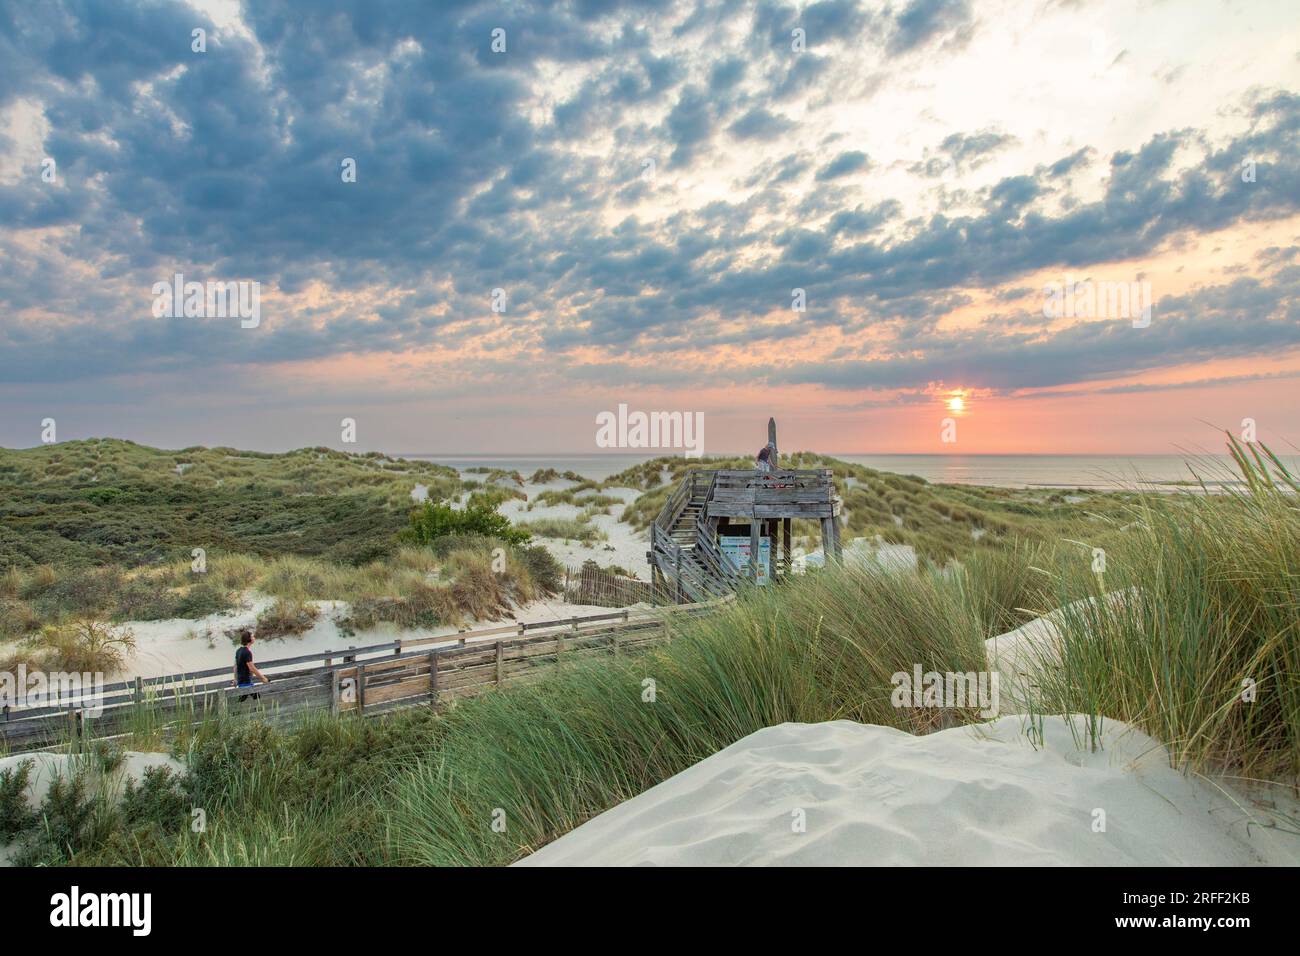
x=360 y=680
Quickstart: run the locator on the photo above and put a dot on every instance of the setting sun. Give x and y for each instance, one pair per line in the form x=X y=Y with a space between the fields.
x=956 y=404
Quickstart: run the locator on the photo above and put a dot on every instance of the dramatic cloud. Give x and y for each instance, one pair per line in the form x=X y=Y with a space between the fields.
x=606 y=195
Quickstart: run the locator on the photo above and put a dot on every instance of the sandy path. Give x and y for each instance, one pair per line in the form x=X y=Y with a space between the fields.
x=182 y=646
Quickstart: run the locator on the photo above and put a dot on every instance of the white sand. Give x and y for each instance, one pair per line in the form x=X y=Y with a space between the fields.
x=186 y=646
x=623 y=545
x=1018 y=654
x=871 y=555
x=965 y=796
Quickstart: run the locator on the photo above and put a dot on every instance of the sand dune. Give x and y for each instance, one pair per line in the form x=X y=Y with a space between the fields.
x=981 y=795
x=1018 y=655
x=181 y=644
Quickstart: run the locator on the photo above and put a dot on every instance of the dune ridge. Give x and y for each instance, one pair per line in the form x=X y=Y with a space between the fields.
x=978 y=795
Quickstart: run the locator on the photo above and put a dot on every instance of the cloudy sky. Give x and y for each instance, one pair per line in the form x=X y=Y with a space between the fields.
x=647 y=183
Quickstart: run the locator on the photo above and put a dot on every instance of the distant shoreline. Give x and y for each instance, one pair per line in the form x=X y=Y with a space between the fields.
x=1048 y=472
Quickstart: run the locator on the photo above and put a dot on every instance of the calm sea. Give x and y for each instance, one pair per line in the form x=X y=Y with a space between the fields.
x=1007 y=471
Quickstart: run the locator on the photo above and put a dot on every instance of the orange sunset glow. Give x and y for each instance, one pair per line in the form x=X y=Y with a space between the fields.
x=864 y=246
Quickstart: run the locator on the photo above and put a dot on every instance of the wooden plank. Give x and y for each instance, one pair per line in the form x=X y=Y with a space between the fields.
x=399 y=691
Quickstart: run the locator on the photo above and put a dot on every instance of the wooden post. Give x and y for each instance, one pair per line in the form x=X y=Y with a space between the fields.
x=771 y=437
x=785 y=533
x=830 y=540
x=753 y=548
x=771 y=550
x=678 y=556
x=361 y=688
x=500 y=647
x=334 y=691
x=433 y=678
x=139 y=689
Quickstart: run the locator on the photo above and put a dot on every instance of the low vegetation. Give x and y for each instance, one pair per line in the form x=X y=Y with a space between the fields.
x=568 y=529
x=942 y=522
x=438 y=519
x=1191 y=633
x=100 y=532
x=286 y=617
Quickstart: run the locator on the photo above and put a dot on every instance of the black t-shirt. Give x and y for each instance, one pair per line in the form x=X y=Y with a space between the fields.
x=243 y=657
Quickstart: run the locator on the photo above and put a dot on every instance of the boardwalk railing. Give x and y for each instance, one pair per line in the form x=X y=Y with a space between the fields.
x=364 y=680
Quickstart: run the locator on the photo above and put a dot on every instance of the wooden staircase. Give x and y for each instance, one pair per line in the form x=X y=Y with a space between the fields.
x=685 y=559
x=682 y=547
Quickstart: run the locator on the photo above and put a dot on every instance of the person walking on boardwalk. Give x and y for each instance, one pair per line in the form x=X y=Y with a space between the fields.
x=245 y=669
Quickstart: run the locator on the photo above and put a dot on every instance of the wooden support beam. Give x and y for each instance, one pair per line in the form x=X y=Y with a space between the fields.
x=828 y=540
x=753 y=549
x=770 y=529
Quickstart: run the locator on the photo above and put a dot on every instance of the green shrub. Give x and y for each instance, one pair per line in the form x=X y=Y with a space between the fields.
x=71 y=818
x=15 y=814
x=286 y=617
x=440 y=520
x=546 y=571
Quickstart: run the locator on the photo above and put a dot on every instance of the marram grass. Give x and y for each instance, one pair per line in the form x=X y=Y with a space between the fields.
x=1190 y=630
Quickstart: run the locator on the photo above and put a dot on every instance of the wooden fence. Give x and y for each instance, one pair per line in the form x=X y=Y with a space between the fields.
x=362 y=680
x=590 y=584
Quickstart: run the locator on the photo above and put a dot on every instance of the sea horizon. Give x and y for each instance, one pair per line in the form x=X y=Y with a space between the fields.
x=1092 y=472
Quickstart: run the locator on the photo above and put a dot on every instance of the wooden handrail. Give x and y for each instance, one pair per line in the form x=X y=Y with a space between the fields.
x=170 y=682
